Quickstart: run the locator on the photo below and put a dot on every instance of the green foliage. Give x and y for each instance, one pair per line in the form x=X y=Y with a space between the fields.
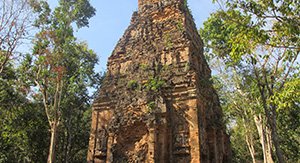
x=180 y=25
x=257 y=44
x=74 y=130
x=288 y=111
x=144 y=66
x=154 y=84
x=62 y=71
x=77 y=11
x=58 y=57
x=245 y=26
x=57 y=75
x=240 y=102
x=187 y=66
x=289 y=96
x=133 y=85
x=239 y=147
x=23 y=134
x=151 y=106
x=23 y=131
x=228 y=35
x=165 y=68
x=289 y=131
x=168 y=41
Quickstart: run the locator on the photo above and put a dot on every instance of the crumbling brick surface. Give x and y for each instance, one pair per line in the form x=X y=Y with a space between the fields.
x=156 y=103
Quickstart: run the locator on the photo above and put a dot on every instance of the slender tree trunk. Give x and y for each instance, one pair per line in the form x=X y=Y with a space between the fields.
x=274 y=136
x=249 y=140
x=52 y=154
x=264 y=139
x=250 y=144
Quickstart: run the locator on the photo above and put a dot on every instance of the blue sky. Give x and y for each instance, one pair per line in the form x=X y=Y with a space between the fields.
x=113 y=17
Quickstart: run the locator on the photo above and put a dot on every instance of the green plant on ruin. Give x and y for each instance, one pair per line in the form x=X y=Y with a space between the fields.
x=144 y=66
x=154 y=84
x=187 y=66
x=168 y=41
x=180 y=25
x=151 y=106
x=165 y=68
x=133 y=85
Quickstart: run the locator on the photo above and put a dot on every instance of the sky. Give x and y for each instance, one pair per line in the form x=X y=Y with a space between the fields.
x=113 y=17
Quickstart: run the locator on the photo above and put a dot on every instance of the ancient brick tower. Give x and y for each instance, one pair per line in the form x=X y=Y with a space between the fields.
x=156 y=103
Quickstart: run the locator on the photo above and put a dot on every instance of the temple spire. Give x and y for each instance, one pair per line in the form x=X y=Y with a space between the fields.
x=144 y=2
x=141 y=3
x=154 y=104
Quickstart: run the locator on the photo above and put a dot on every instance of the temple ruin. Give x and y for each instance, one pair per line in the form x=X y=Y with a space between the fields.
x=157 y=103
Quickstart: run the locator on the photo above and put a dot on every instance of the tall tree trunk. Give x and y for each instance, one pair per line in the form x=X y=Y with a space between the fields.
x=272 y=127
x=263 y=136
x=269 y=144
x=270 y=112
x=52 y=154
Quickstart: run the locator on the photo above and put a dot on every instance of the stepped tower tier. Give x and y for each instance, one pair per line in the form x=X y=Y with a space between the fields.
x=156 y=103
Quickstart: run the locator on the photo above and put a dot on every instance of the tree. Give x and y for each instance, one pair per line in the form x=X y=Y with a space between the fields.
x=60 y=65
x=23 y=132
x=242 y=110
x=260 y=41
x=15 y=22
